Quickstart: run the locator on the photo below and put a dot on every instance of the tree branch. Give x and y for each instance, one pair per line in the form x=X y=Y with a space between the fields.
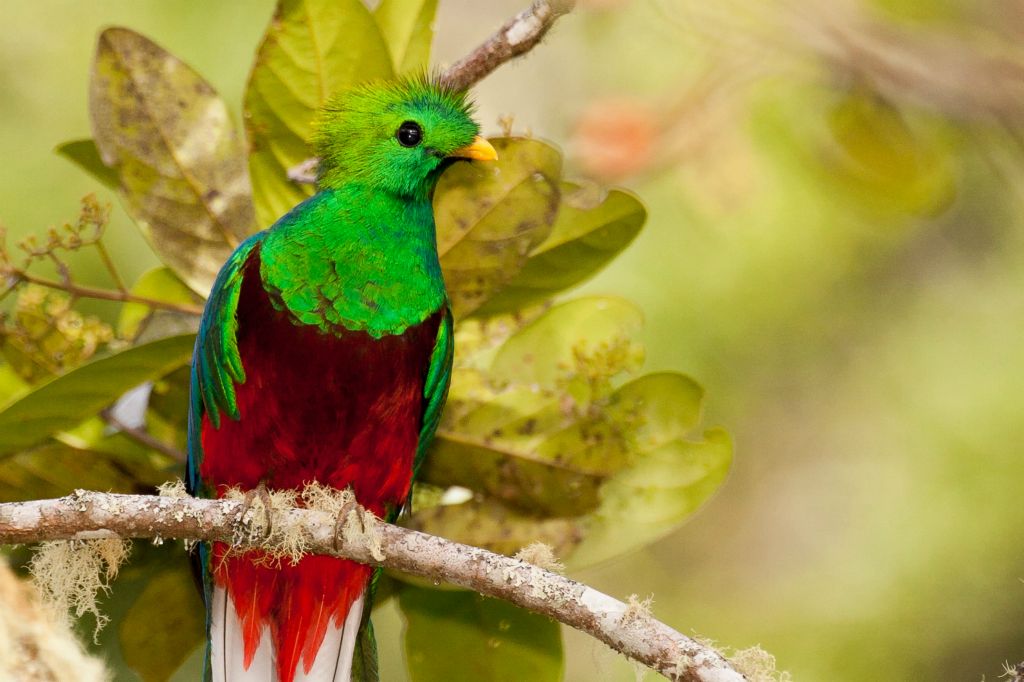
x=516 y=37
x=627 y=629
x=15 y=276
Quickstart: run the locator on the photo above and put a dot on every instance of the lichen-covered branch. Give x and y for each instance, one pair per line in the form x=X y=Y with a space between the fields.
x=516 y=37
x=364 y=538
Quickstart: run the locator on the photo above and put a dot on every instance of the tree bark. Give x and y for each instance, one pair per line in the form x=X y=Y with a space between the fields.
x=629 y=629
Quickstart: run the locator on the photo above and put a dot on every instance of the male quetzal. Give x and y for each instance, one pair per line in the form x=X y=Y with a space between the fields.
x=324 y=354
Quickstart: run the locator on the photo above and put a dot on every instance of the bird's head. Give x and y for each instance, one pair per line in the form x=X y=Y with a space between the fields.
x=396 y=136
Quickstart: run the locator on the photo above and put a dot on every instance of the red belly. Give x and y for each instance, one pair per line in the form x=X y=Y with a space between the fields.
x=343 y=409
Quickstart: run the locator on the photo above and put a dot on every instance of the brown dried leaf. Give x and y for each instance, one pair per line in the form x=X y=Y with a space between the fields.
x=182 y=167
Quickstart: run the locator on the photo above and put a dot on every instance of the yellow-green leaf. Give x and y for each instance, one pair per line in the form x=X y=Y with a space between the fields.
x=664 y=406
x=160 y=284
x=83 y=153
x=180 y=163
x=549 y=348
x=56 y=469
x=408 y=28
x=311 y=50
x=492 y=525
x=887 y=163
x=458 y=636
x=11 y=384
x=63 y=402
x=169 y=599
x=548 y=429
x=651 y=498
x=491 y=215
x=531 y=482
x=587 y=235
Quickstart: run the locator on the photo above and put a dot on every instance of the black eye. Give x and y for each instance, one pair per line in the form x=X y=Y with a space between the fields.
x=409 y=134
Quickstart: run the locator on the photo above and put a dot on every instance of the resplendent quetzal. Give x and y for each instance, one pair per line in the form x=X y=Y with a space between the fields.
x=324 y=354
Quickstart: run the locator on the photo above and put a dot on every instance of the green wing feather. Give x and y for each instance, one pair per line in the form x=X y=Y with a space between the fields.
x=435 y=389
x=216 y=364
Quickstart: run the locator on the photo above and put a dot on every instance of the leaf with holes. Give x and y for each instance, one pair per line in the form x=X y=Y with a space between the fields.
x=180 y=164
x=539 y=437
x=591 y=230
x=490 y=217
x=311 y=50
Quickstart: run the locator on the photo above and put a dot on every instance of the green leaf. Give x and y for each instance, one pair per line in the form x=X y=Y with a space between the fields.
x=457 y=636
x=548 y=348
x=492 y=525
x=666 y=406
x=311 y=50
x=170 y=599
x=180 y=163
x=517 y=476
x=161 y=284
x=491 y=215
x=83 y=153
x=517 y=433
x=587 y=235
x=651 y=498
x=171 y=614
x=61 y=403
x=887 y=164
x=56 y=469
x=11 y=384
x=167 y=416
x=407 y=26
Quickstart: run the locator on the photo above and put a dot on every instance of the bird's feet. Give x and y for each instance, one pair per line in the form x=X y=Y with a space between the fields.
x=342 y=516
x=260 y=493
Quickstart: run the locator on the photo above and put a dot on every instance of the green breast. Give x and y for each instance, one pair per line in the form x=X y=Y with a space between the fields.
x=354 y=259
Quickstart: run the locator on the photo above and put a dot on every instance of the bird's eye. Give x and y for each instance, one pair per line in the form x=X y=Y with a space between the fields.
x=409 y=134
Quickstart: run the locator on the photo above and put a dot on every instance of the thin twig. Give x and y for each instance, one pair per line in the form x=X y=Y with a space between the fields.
x=108 y=263
x=516 y=37
x=142 y=436
x=627 y=629
x=103 y=294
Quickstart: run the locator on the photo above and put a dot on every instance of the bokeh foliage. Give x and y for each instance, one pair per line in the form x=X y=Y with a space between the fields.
x=549 y=434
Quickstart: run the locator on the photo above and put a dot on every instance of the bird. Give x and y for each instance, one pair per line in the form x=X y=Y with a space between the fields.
x=324 y=354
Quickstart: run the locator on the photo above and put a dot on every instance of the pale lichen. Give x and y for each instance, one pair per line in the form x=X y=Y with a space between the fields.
x=175 y=488
x=757 y=665
x=325 y=498
x=69 y=575
x=637 y=608
x=541 y=554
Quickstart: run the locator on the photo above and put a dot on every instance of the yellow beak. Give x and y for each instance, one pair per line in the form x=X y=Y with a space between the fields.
x=479 y=149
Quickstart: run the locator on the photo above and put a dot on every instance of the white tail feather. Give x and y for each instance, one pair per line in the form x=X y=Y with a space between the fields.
x=227 y=651
x=333 y=661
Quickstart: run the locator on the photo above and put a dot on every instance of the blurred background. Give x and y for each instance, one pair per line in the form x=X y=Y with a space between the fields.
x=835 y=250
